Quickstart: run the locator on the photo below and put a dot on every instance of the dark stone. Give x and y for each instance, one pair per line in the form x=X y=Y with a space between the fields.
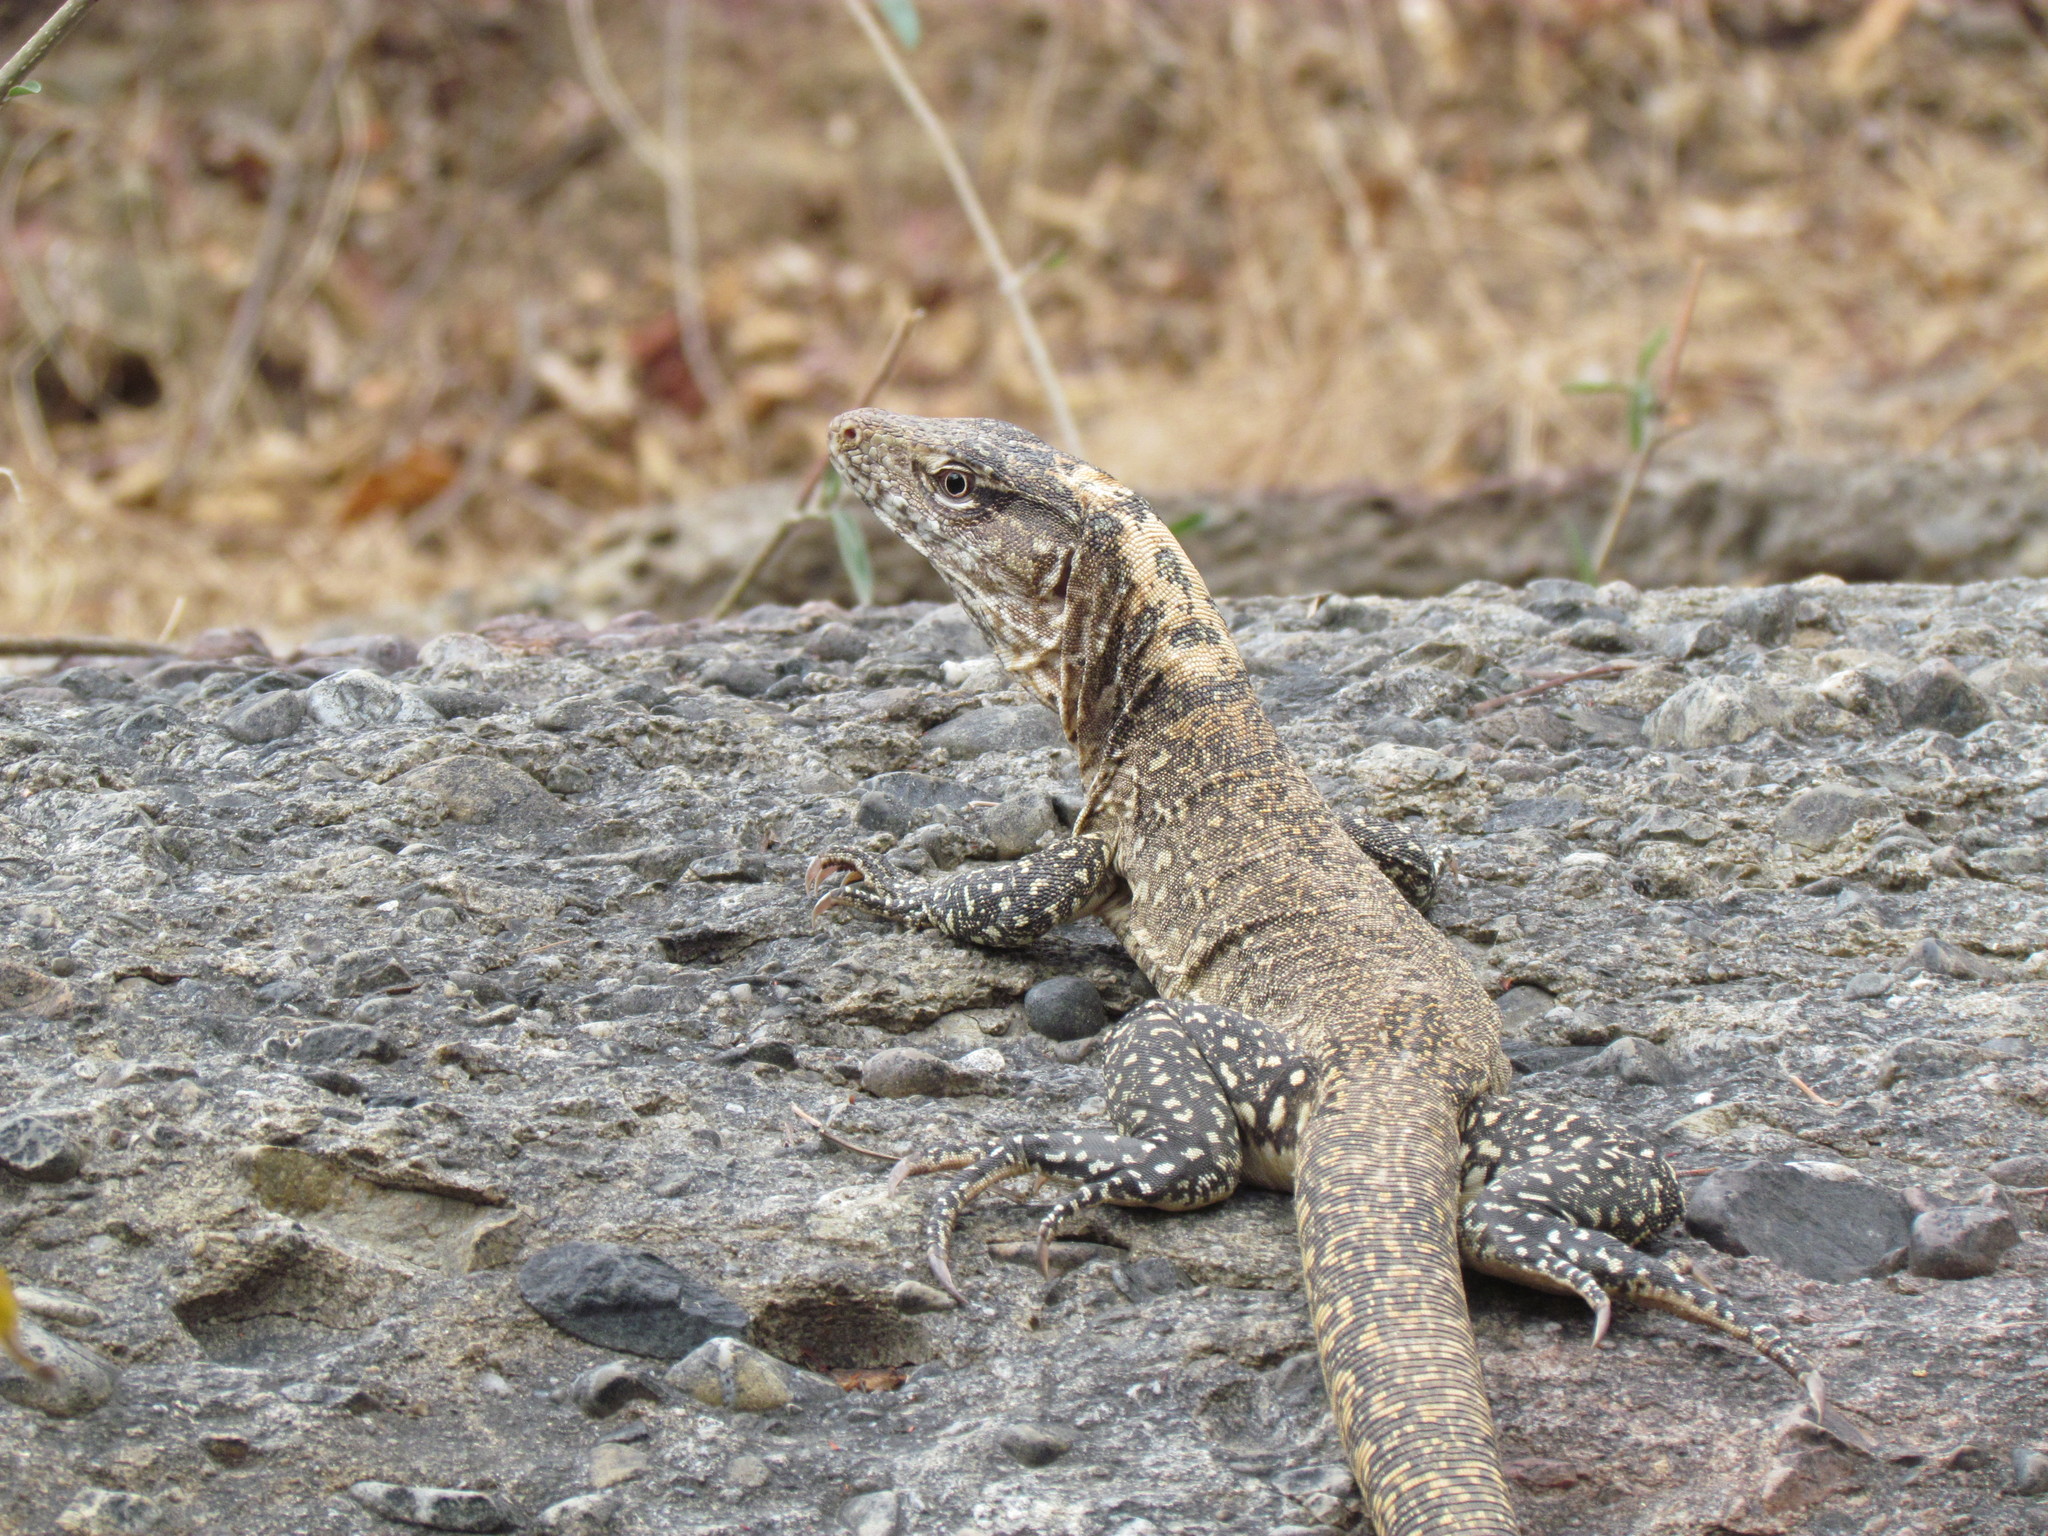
x=1032 y=1445
x=36 y=1148
x=438 y=1509
x=1399 y=729
x=901 y=802
x=2029 y=1471
x=1817 y=818
x=997 y=728
x=836 y=642
x=344 y=1042
x=1557 y=599
x=380 y=653
x=1523 y=1004
x=1142 y=1279
x=1767 y=616
x=267 y=717
x=1065 y=1008
x=1934 y=696
x=1833 y=1226
x=1960 y=1242
x=748 y=679
x=1643 y=1063
x=1015 y=827
x=220 y=644
x=369 y=970
x=98 y=683
x=603 y=1390
x=1604 y=636
x=2027 y=1171
x=1514 y=815
x=1528 y=1058
x=1938 y=957
x=142 y=725
x=619 y=1298
x=462 y=703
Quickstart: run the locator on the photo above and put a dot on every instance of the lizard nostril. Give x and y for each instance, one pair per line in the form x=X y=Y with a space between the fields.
x=848 y=435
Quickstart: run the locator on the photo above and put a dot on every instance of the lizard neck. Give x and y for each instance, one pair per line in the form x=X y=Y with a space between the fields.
x=1149 y=680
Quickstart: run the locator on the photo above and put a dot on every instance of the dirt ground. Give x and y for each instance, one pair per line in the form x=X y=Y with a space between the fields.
x=1272 y=248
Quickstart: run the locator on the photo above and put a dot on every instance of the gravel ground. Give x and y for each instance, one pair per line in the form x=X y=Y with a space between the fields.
x=362 y=1008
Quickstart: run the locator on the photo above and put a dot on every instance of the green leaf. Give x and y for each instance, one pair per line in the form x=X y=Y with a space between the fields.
x=26 y=88
x=902 y=18
x=1193 y=522
x=1643 y=409
x=1582 y=558
x=1649 y=353
x=853 y=554
x=829 y=487
x=1599 y=387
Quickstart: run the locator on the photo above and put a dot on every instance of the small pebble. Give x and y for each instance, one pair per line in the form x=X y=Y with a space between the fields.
x=604 y=1389
x=902 y=1072
x=1033 y=1445
x=2029 y=1470
x=438 y=1509
x=613 y=1463
x=1065 y=1008
x=915 y=1296
x=725 y=1373
x=585 y=1514
x=1960 y=1242
x=37 y=1148
x=110 y=1512
x=872 y=1514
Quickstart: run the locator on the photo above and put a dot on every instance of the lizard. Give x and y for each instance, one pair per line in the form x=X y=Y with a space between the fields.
x=1313 y=1031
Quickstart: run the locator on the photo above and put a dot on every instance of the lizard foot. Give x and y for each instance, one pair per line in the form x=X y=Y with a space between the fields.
x=859 y=881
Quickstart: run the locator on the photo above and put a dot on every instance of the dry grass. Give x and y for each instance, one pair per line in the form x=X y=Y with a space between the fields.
x=1274 y=245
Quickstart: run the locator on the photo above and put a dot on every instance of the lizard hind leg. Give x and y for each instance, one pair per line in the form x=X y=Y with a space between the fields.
x=1077 y=1155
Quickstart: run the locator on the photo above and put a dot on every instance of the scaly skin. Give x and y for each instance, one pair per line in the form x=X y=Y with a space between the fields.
x=1314 y=1029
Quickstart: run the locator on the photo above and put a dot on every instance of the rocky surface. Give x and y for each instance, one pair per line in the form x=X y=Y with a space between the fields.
x=343 y=994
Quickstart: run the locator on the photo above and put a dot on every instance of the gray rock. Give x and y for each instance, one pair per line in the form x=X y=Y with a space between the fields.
x=1015 y=827
x=482 y=791
x=1960 y=1242
x=618 y=1298
x=578 y=712
x=836 y=642
x=142 y=725
x=872 y=1514
x=748 y=679
x=1690 y=639
x=2029 y=1170
x=1522 y=1004
x=902 y=1072
x=1938 y=957
x=997 y=728
x=1868 y=984
x=345 y=1042
x=267 y=717
x=1715 y=712
x=1666 y=824
x=1818 y=1219
x=2029 y=1471
x=1767 y=616
x=604 y=1389
x=110 y=1512
x=1817 y=818
x=915 y=1296
x=38 y=1148
x=1934 y=696
x=439 y=1509
x=384 y=653
x=357 y=699
x=1143 y=1279
x=363 y=971
x=1065 y=1008
x=583 y=1514
x=1542 y=811
x=725 y=1373
x=462 y=703
x=1643 y=1063
x=80 y=1379
x=900 y=802
x=1033 y=1445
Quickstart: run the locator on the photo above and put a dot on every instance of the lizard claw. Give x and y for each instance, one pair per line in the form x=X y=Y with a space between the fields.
x=826 y=865
x=1603 y=1314
x=1817 y=1394
x=942 y=1271
x=906 y=1167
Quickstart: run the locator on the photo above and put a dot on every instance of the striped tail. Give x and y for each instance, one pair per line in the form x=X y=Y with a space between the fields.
x=1376 y=1196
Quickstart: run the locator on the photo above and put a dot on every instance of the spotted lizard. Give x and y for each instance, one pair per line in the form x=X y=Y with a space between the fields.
x=1313 y=1030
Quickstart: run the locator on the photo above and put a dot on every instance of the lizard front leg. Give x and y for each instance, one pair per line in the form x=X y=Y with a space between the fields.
x=1000 y=904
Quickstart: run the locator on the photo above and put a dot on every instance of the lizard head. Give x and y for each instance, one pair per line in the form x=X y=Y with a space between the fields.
x=998 y=512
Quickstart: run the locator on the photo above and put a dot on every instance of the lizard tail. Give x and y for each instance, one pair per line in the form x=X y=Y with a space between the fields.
x=1376 y=1196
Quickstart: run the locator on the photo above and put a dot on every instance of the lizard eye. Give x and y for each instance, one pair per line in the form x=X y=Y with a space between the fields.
x=956 y=484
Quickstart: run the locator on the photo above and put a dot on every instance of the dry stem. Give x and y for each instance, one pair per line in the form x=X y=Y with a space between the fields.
x=1007 y=280
x=1655 y=436
x=1607 y=669
x=667 y=155
x=804 y=497
x=232 y=372
x=47 y=36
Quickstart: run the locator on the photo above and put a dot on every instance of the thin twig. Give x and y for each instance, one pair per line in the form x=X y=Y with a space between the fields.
x=1655 y=436
x=47 y=36
x=171 y=624
x=667 y=156
x=483 y=452
x=238 y=353
x=1007 y=280
x=1807 y=1088
x=883 y=369
x=838 y=1140
x=1605 y=669
x=340 y=201
x=79 y=645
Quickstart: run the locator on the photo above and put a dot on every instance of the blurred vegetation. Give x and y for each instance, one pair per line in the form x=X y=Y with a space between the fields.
x=1269 y=245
